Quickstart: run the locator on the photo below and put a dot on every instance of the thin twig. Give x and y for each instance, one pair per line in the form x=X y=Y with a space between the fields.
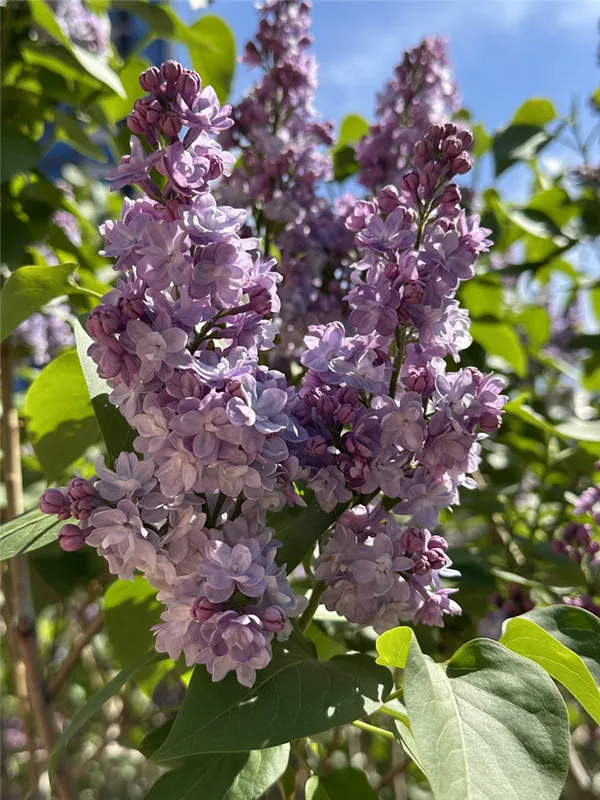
x=313 y=604
x=61 y=677
x=22 y=597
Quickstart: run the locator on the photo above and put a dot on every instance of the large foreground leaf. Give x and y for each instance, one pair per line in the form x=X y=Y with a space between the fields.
x=27 y=532
x=223 y=776
x=349 y=783
x=565 y=640
x=60 y=418
x=492 y=726
x=294 y=696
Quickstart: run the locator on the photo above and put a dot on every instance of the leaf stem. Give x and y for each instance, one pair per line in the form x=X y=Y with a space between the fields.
x=364 y=726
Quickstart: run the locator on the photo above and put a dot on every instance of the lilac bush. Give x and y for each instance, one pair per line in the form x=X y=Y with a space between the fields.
x=378 y=429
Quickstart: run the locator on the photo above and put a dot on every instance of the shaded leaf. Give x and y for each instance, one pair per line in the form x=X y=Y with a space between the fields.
x=212 y=51
x=298 y=529
x=29 y=289
x=19 y=153
x=348 y=783
x=499 y=339
x=583 y=430
x=517 y=143
x=27 y=532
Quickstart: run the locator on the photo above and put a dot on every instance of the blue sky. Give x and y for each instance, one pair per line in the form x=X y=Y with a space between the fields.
x=502 y=52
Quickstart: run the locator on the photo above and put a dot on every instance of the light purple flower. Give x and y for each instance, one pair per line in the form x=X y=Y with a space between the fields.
x=258 y=406
x=229 y=568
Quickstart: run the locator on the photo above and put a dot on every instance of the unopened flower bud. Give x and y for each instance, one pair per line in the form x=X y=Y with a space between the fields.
x=273 y=619
x=150 y=80
x=388 y=199
x=202 y=609
x=461 y=164
x=71 y=537
x=171 y=70
x=54 y=501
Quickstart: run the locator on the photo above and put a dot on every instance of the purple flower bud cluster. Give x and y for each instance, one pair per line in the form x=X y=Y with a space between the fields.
x=576 y=542
x=379 y=572
x=514 y=602
x=422 y=93
x=44 y=334
x=584 y=601
x=281 y=168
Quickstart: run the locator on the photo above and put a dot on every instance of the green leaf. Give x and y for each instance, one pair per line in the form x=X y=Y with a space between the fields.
x=82 y=715
x=27 y=532
x=43 y=16
x=481 y=140
x=535 y=222
x=517 y=143
x=212 y=51
x=525 y=637
x=223 y=776
x=536 y=322
x=73 y=134
x=482 y=296
x=294 y=696
x=60 y=416
x=536 y=111
x=130 y=611
x=519 y=408
x=19 y=153
x=348 y=783
x=344 y=162
x=98 y=67
x=118 y=435
x=393 y=647
x=352 y=129
x=492 y=726
x=499 y=339
x=116 y=108
x=581 y=429
x=29 y=289
x=298 y=529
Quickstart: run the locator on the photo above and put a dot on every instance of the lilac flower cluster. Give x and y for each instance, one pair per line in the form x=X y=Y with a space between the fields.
x=82 y=26
x=43 y=335
x=380 y=408
x=576 y=541
x=379 y=572
x=422 y=93
x=178 y=341
x=223 y=439
x=281 y=167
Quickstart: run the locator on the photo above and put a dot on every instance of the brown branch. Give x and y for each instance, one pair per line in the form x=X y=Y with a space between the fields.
x=61 y=677
x=22 y=598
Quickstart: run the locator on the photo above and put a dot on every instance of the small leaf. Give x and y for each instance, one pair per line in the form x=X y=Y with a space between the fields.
x=212 y=50
x=536 y=223
x=584 y=430
x=116 y=108
x=535 y=111
x=98 y=67
x=29 y=289
x=117 y=433
x=517 y=143
x=299 y=529
x=223 y=776
x=294 y=696
x=130 y=611
x=348 y=783
x=82 y=715
x=482 y=296
x=27 y=532
x=352 y=129
x=525 y=637
x=73 y=134
x=344 y=162
x=499 y=339
x=393 y=647
x=536 y=322
x=43 y=16
x=481 y=140
x=60 y=417
x=492 y=726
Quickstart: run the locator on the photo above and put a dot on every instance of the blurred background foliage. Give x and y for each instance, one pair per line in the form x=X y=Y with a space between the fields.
x=535 y=305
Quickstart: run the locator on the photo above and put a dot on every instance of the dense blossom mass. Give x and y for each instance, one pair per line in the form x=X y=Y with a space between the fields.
x=280 y=173
x=421 y=93
x=379 y=430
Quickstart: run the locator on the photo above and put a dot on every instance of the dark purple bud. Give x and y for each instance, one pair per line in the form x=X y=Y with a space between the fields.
x=82 y=498
x=260 y=302
x=103 y=322
x=461 y=164
x=170 y=124
x=419 y=379
x=202 y=609
x=153 y=112
x=413 y=293
x=388 y=199
x=437 y=558
x=466 y=138
x=54 y=501
x=327 y=405
x=409 y=183
x=415 y=540
x=451 y=147
x=423 y=151
x=345 y=415
x=450 y=195
x=171 y=70
x=273 y=619
x=422 y=566
x=404 y=317
x=391 y=271
x=348 y=396
x=71 y=537
x=438 y=543
x=251 y=55
x=136 y=123
x=150 y=80
x=316 y=446
x=188 y=85
x=450 y=129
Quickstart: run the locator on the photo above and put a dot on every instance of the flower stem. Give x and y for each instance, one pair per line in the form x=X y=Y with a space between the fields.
x=313 y=603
